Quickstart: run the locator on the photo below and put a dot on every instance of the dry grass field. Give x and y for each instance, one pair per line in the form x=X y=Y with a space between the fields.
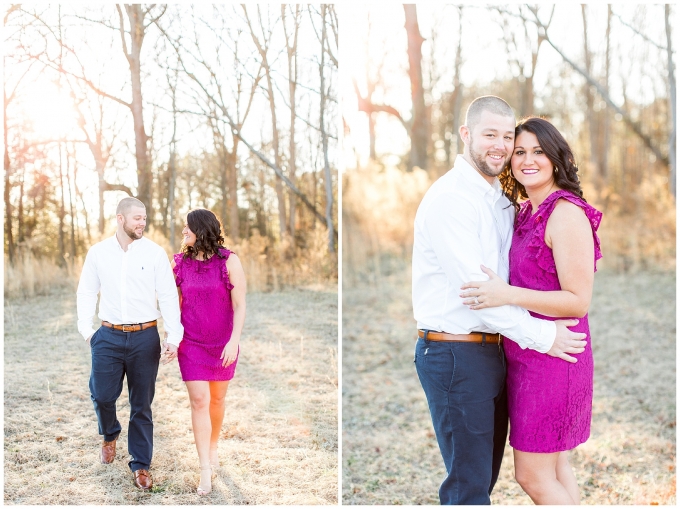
x=390 y=454
x=279 y=442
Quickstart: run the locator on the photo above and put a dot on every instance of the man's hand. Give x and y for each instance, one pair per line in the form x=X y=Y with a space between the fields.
x=566 y=341
x=169 y=352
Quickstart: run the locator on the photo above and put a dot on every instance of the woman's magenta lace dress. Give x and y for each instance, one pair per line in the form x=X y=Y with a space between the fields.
x=207 y=317
x=549 y=399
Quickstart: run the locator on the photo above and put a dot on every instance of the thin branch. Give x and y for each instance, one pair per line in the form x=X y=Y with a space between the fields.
x=650 y=41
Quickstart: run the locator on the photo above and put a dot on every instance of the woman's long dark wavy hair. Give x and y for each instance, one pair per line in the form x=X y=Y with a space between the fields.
x=558 y=152
x=207 y=228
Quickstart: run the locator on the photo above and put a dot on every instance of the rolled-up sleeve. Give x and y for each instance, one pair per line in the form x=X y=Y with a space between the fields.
x=168 y=299
x=86 y=296
x=455 y=240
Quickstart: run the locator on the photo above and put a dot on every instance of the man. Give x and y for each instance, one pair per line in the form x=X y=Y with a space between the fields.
x=130 y=271
x=464 y=221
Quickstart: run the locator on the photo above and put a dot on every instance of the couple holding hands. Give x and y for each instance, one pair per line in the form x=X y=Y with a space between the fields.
x=203 y=308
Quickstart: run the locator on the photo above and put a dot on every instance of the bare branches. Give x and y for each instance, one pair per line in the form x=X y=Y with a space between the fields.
x=121 y=28
x=635 y=126
x=637 y=32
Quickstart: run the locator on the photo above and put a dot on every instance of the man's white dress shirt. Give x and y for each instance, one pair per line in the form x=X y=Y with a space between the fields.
x=130 y=281
x=464 y=222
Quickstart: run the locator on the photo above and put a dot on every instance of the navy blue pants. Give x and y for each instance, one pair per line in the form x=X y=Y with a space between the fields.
x=116 y=354
x=465 y=388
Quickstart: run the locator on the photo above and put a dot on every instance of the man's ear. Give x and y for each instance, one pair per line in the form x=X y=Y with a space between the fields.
x=464 y=132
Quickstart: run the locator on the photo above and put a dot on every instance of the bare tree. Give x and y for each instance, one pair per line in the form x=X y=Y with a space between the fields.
x=137 y=31
x=263 y=49
x=525 y=60
x=172 y=163
x=630 y=122
x=419 y=120
x=8 y=97
x=324 y=138
x=91 y=120
x=671 y=101
x=593 y=124
x=291 y=50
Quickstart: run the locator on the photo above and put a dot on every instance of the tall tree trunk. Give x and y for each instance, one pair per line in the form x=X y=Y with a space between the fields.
x=458 y=90
x=590 y=112
x=73 y=253
x=671 y=102
x=223 y=156
x=79 y=194
x=234 y=225
x=292 y=86
x=419 y=121
x=603 y=160
x=20 y=208
x=278 y=185
x=61 y=213
x=8 y=188
x=324 y=137
x=144 y=177
x=100 y=165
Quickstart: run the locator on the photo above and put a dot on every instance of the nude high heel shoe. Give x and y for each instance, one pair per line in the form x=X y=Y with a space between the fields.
x=201 y=490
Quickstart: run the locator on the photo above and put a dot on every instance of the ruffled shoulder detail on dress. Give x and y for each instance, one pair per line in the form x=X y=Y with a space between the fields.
x=223 y=268
x=177 y=269
x=543 y=253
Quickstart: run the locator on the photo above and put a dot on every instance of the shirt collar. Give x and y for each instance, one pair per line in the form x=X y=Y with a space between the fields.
x=132 y=245
x=476 y=180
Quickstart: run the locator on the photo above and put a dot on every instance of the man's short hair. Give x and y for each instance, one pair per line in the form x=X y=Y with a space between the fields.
x=126 y=204
x=489 y=103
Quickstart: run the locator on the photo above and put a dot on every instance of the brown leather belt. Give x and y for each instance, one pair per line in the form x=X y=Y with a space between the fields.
x=473 y=337
x=130 y=327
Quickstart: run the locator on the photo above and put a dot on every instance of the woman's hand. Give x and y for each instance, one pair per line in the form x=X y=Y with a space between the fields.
x=486 y=294
x=229 y=353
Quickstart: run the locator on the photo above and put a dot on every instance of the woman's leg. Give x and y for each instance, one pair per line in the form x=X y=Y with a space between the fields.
x=537 y=475
x=567 y=478
x=199 y=396
x=218 y=391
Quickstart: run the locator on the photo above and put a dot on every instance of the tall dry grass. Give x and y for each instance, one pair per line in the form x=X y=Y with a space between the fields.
x=268 y=265
x=379 y=206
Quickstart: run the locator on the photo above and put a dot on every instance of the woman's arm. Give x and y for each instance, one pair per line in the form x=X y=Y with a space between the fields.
x=238 y=302
x=570 y=236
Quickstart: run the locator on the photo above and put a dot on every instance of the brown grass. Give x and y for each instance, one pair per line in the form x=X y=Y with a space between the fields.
x=279 y=441
x=390 y=454
x=268 y=265
x=380 y=204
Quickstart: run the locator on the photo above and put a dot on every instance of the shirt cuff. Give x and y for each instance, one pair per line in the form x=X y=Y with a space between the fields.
x=174 y=340
x=547 y=336
x=87 y=333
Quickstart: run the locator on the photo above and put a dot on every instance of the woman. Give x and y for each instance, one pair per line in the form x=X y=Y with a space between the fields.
x=212 y=292
x=552 y=264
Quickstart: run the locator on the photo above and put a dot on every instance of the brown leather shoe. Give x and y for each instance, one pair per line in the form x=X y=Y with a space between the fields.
x=108 y=452
x=143 y=479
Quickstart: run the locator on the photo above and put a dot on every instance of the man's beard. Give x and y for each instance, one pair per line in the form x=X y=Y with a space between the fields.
x=482 y=165
x=131 y=233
